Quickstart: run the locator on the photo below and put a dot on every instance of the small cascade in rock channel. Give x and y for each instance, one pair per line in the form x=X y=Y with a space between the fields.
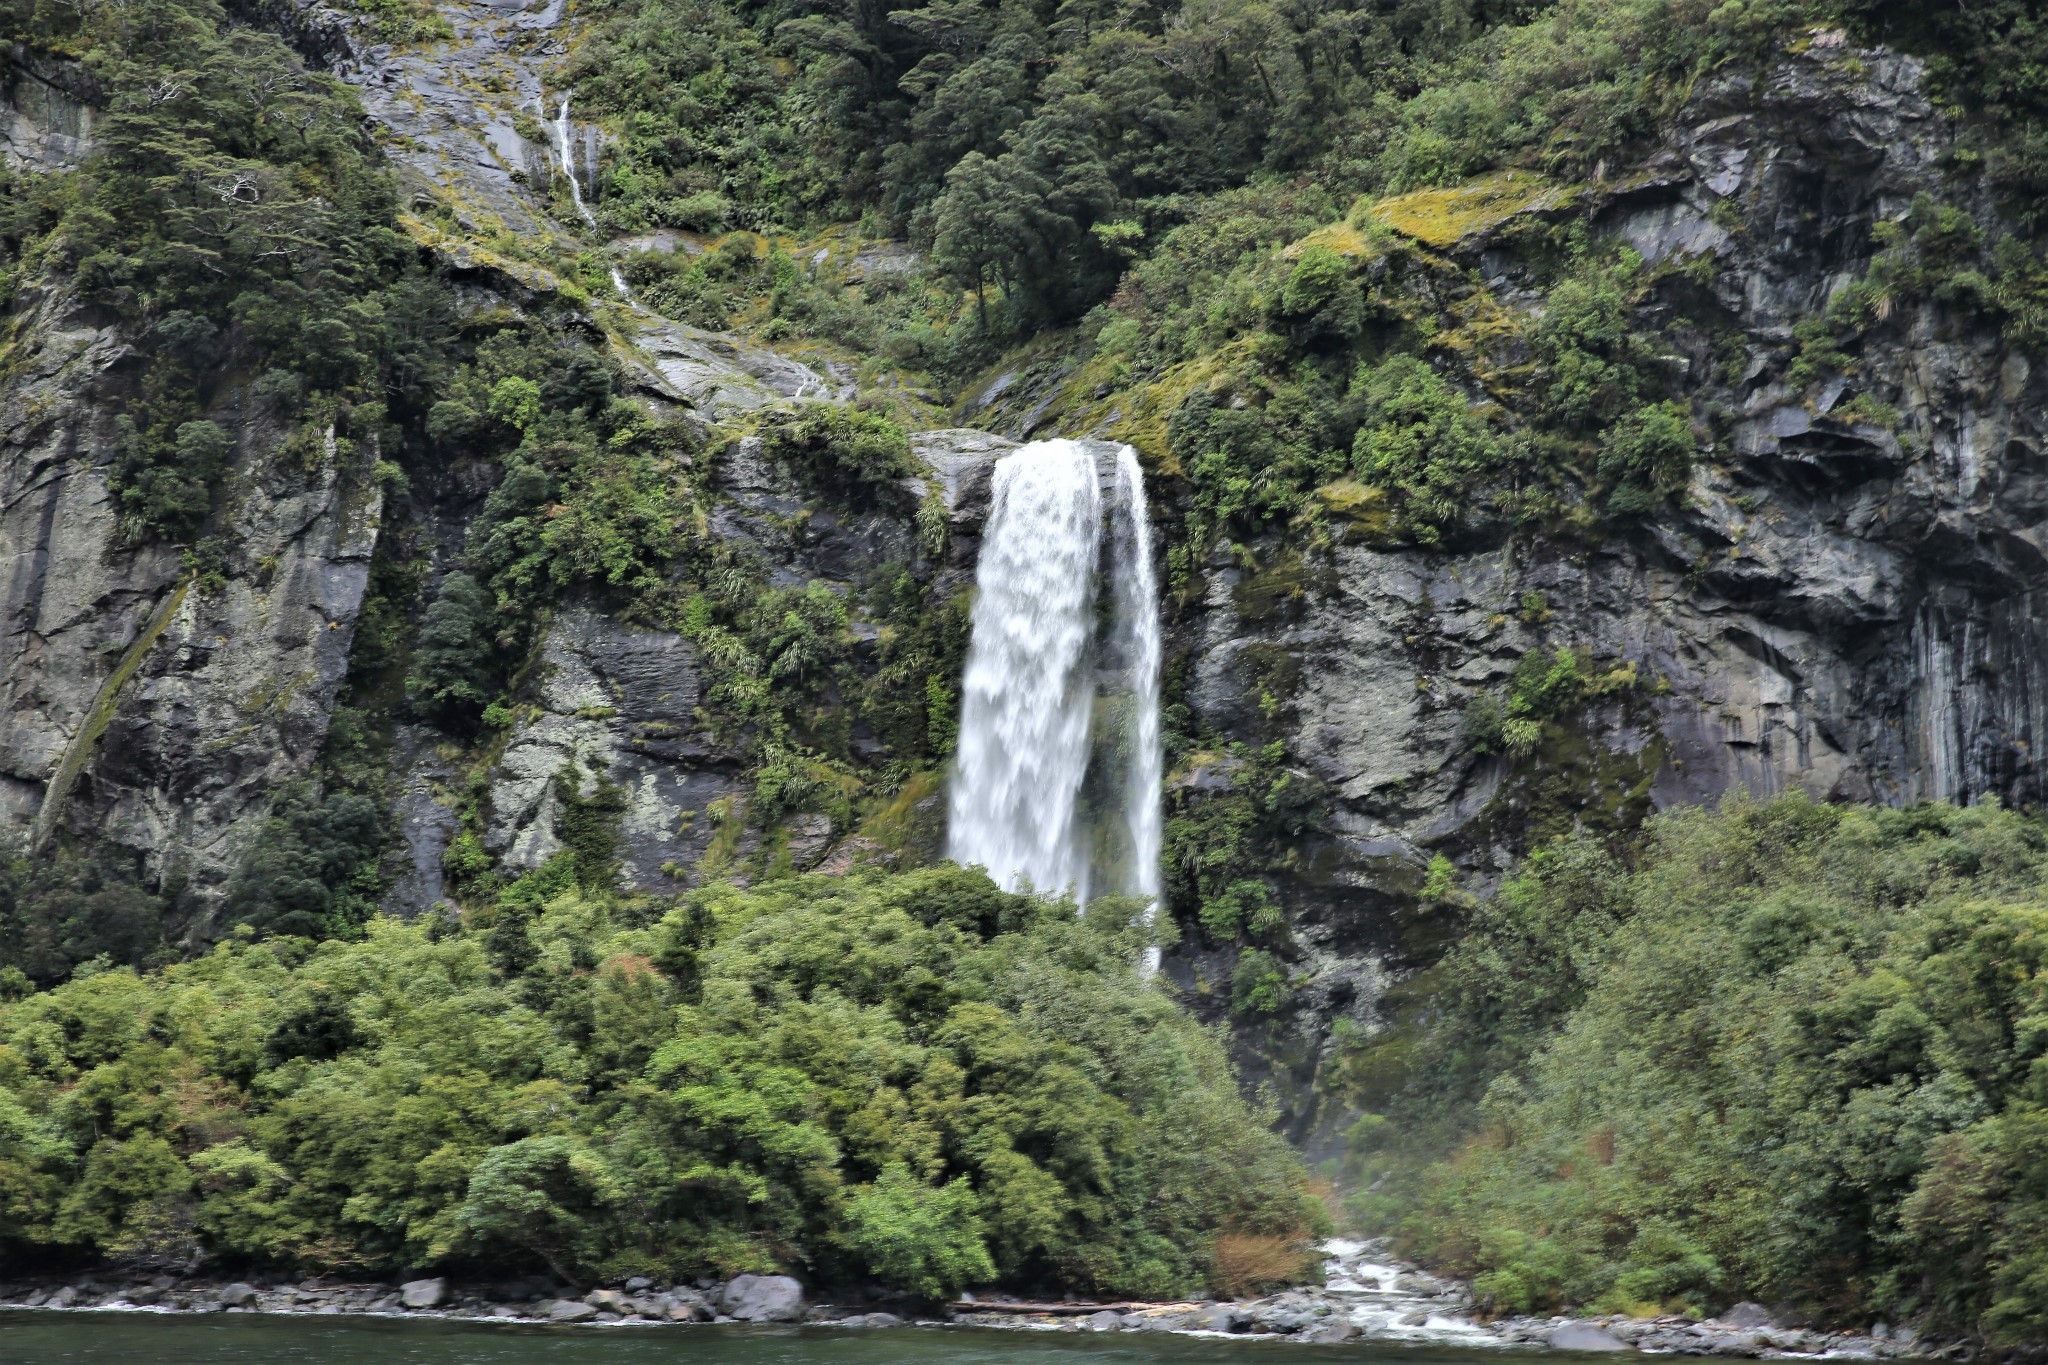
x=1028 y=738
x=563 y=150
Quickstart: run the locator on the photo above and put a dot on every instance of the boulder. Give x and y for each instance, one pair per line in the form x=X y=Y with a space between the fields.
x=607 y=1301
x=1215 y=1317
x=1108 y=1320
x=1330 y=1330
x=1748 y=1315
x=568 y=1310
x=763 y=1298
x=239 y=1295
x=423 y=1293
x=62 y=1298
x=1584 y=1336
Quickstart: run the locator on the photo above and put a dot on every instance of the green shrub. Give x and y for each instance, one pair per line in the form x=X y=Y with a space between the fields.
x=312 y=871
x=916 y=1078
x=928 y=1240
x=1422 y=439
x=456 y=663
x=853 y=451
x=1788 y=1056
x=62 y=908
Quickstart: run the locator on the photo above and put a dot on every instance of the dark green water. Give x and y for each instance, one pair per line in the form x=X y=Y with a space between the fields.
x=29 y=1338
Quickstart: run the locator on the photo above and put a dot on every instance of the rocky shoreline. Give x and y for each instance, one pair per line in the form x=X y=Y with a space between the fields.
x=1365 y=1297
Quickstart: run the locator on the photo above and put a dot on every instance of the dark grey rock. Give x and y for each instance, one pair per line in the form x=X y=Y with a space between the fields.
x=1108 y=1320
x=1747 y=1315
x=568 y=1310
x=1216 y=1317
x=238 y=1295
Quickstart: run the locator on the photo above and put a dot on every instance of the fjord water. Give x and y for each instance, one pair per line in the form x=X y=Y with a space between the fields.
x=1041 y=657
x=34 y=1338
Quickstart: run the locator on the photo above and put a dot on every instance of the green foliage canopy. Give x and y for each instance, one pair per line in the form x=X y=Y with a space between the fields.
x=914 y=1077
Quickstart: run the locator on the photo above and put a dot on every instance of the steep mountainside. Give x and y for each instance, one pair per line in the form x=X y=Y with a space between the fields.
x=1380 y=701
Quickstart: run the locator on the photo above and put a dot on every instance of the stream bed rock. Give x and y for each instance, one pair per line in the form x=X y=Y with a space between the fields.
x=1366 y=1296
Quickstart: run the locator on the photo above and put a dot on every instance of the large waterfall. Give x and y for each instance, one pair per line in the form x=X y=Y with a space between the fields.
x=1040 y=655
x=1026 y=700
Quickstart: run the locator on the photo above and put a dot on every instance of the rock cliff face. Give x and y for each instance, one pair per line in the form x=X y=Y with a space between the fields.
x=141 y=702
x=1846 y=603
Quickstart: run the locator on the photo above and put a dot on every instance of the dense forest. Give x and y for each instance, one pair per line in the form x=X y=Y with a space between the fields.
x=1776 y=1049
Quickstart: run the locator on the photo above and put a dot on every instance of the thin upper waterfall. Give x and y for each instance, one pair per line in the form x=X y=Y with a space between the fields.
x=1026 y=697
x=563 y=149
x=1057 y=781
x=569 y=162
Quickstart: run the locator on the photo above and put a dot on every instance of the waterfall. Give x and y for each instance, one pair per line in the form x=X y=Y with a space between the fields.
x=1028 y=698
x=1025 y=700
x=569 y=162
x=576 y=186
x=1137 y=638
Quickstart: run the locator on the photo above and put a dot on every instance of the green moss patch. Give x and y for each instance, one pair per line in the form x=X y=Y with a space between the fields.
x=1443 y=218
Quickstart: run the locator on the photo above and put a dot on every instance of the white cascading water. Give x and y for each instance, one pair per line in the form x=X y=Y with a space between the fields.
x=1137 y=638
x=563 y=149
x=569 y=161
x=1025 y=699
x=1028 y=700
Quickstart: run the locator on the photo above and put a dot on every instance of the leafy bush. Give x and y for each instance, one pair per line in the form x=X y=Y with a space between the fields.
x=1791 y=1056
x=1421 y=438
x=916 y=1078
x=456 y=663
x=929 y=1240
x=312 y=871
x=62 y=909
x=855 y=451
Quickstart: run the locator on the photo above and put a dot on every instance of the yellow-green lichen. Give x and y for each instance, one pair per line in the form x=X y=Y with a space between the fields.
x=1369 y=508
x=1342 y=238
x=1443 y=218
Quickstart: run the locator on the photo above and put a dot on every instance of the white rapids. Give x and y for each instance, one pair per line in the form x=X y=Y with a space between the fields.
x=1382 y=1307
x=1028 y=705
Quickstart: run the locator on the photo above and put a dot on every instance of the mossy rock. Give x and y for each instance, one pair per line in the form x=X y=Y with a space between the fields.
x=1344 y=239
x=1444 y=218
